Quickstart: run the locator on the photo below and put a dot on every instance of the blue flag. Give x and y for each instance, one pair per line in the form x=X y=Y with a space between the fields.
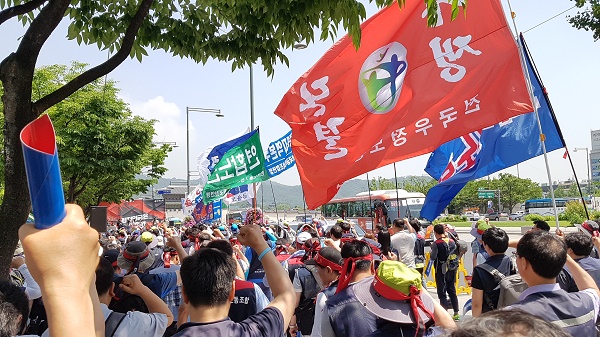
x=492 y=149
x=279 y=156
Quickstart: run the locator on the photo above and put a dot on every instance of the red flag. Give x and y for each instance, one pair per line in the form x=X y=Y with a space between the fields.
x=407 y=90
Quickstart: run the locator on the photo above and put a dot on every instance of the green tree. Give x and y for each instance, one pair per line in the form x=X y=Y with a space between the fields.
x=102 y=147
x=468 y=197
x=514 y=190
x=237 y=31
x=381 y=183
x=589 y=18
x=417 y=184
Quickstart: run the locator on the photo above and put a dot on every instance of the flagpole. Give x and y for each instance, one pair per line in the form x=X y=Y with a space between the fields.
x=304 y=204
x=252 y=126
x=587 y=215
x=537 y=117
x=274 y=201
x=562 y=138
x=397 y=196
x=371 y=210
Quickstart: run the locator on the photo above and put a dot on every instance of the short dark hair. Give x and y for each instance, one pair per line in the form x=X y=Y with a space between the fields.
x=104 y=276
x=399 y=223
x=207 y=277
x=416 y=225
x=222 y=245
x=345 y=226
x=357 y=248
x=545 y=252
x=541 y=224
x=495 y=238
x=499 y=323
x=336 y=232
x=13 y=303
x=580 y=243
x=439 y=229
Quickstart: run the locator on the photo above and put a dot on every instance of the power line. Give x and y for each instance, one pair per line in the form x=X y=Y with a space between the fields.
x=554 y=17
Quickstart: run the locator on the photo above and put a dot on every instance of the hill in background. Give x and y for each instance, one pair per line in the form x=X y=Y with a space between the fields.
x=286 y=196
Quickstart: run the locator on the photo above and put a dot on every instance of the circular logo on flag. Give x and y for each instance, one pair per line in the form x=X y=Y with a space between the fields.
x=381 y=78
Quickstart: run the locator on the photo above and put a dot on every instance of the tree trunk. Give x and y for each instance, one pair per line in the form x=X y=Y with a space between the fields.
x=16 y=76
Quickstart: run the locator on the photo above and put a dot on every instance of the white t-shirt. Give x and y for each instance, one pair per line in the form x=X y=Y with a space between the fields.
x=404 y=242
x=135 y=324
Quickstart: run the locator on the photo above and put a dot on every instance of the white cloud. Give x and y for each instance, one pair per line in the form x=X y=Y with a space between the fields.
x=170 y=127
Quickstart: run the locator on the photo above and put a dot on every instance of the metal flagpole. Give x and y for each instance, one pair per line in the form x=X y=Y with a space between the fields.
x=587 y=215
x=252 y=125
x=304 y=204
x=539 y=123
x=371 y=210
x=274 y=201
x=397 y=196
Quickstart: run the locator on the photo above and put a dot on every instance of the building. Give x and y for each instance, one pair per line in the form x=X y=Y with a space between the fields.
x=595 y=156
x=173 y=196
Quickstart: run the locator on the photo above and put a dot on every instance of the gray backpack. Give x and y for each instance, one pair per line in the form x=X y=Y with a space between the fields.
x=510 y=287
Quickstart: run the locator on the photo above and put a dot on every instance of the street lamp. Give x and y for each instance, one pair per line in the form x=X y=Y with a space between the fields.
x=216 y=112
x=587 y=152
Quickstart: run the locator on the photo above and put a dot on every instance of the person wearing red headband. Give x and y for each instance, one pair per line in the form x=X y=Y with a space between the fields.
x=329 y=264
x=347 y=317
x=307 y=286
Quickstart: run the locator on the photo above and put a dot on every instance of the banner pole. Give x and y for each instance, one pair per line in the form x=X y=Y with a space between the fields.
x=371 y=210
x=274 y=201
x=397 y=196
x=537 y=116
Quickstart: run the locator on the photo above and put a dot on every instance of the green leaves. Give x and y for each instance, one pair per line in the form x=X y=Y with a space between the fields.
x=102 y=147
x=589 y=18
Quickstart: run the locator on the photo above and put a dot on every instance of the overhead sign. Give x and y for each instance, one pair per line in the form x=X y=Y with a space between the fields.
x=164 y=192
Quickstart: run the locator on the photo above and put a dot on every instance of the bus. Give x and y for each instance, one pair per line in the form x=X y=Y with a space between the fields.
x=544 y=206
x=362 y=208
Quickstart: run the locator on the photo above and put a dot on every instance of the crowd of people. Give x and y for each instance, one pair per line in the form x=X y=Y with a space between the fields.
x=253 y=279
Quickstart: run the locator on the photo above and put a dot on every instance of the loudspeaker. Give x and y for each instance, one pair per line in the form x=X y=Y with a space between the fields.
x=98 y=218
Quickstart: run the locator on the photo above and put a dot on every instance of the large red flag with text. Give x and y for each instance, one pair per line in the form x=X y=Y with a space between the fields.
x=404 y=92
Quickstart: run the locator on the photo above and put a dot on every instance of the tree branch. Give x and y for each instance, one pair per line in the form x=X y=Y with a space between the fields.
x=40 y=29
x=100 y=70
x=27 y=7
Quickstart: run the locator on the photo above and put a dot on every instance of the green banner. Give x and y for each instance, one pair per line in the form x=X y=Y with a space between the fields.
x=241 y=165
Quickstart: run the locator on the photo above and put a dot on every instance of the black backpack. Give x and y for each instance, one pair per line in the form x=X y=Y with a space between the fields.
x=38 y=323
x=124 y=302
x=419 y=250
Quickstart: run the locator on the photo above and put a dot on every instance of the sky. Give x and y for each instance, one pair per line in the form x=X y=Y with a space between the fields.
x=162 y=86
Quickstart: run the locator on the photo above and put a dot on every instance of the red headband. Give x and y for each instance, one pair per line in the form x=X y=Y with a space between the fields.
x=133 y=258
x=345 y=276
x=322 y=261
x=392 y=294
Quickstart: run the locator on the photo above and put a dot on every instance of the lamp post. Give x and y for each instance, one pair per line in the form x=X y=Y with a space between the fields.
x=173 y=145
x=216 y=112
x=587 y=153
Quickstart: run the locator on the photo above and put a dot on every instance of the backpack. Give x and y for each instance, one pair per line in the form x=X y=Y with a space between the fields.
x=419 y=251
x=112 y=323
x=124 y=302
x=461 y=247
x=510 y=287
x=38 y=323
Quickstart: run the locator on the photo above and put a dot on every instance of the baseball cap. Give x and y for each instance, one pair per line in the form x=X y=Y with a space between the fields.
x=327 y=257
x=302 y=237
x=589 y=227
x=478 y=228
x=134 y=251
x=394 y=294
x=111 y=255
